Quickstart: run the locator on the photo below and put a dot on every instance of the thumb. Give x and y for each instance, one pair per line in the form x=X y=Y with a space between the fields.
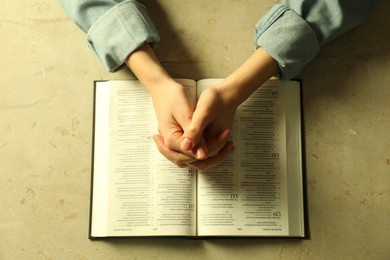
x=193 y=135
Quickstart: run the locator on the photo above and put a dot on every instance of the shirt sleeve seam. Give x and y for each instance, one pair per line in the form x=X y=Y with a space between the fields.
x=280 y=9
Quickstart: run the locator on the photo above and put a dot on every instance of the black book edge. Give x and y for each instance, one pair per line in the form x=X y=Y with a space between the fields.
x=93 y=159
x=304 y=186
x=306 y=227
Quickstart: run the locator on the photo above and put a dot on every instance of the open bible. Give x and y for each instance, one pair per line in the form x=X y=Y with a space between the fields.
x=258 y=191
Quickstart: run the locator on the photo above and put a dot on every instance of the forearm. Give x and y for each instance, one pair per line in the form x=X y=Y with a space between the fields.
x=255 y=71
x=146 y=67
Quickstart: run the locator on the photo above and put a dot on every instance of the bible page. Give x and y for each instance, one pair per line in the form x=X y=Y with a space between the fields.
x=246 y=195
x=145 y=194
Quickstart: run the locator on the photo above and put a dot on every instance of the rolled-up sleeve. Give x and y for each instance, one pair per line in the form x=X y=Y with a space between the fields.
x=114 y=29
x=293 y=31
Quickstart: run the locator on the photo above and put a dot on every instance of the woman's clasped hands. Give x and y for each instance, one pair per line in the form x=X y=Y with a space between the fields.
x=194 y=136
x=189 y=135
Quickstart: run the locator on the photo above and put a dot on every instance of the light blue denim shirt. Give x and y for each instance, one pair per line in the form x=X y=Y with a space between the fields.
x=291 y=32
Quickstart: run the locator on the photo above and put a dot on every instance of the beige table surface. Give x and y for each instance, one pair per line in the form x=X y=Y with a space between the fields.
x=46 y=78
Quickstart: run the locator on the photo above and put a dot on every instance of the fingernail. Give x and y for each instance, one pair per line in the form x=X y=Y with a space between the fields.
x=187 y=144
x=201 y=153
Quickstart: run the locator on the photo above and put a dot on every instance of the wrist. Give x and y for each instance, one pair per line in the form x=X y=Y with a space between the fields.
x=162 y=87
x=239 y=85
x=230 y=93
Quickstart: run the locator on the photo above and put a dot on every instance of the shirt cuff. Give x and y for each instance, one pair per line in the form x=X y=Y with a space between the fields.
x=119 y=32
x=288 y=38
